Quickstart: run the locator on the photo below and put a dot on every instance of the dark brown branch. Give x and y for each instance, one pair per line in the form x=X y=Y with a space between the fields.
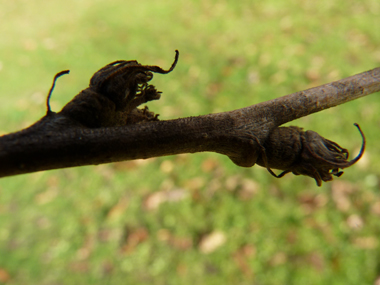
x=102 y=124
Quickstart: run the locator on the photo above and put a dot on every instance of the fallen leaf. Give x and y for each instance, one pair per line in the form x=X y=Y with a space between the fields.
x=209 y=165
x=133 y=239
x=79 y=266
x=313 y=75
x=211 y=242
x=195 y=183
x=249 y=188
x=46 y=196
x=376 y=208
x=86 y=249
x=154 y=200
x=316 y=260
x=355 y=222
x=4 y=275
x=241 y=256
x=167 y=166
x=163 y=235
x=366 y=242
x=182 y=243
x=341 y=191
x=181 y=269
x=232 y=182
x=310 y=202
x=278 y=259
x=107 y=267
x=116 y=211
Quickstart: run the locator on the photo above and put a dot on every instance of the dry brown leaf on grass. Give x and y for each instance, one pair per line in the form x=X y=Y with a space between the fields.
x=311 y=202
x=375 y=209
x=79 y=266
x=341 y=194
x=133 y=239
x=154 y=200
x=118 y=209
x=212 y=241
x=177 y=242
x=355 y=222
x=4 y=275
x=369 y=242
x=241 y=257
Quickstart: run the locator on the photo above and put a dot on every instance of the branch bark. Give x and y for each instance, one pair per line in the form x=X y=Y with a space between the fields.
x=102 y=124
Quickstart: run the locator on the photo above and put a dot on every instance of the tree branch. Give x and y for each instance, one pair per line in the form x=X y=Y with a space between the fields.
x=102 y=124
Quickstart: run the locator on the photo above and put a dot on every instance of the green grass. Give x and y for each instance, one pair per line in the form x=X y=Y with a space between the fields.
x=146 y=222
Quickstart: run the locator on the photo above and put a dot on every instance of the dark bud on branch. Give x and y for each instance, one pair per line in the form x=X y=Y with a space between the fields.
x=114 y=94
x=305 y=153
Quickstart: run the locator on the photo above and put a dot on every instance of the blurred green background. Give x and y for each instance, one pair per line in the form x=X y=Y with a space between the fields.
x=191 y=219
